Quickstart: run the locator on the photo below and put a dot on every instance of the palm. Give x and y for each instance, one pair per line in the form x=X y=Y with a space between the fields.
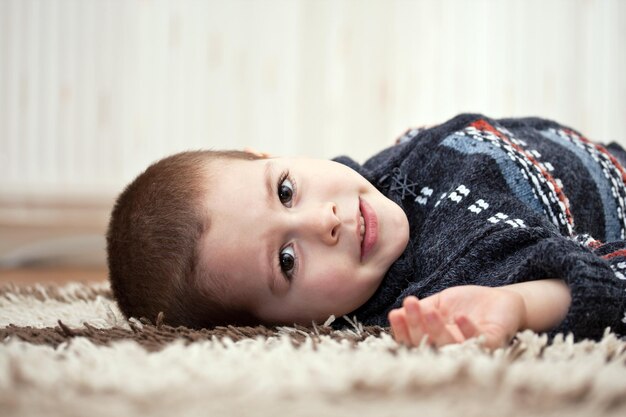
x=488 y=308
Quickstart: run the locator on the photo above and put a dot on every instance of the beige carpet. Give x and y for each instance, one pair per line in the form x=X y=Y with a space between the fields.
x=68 y=351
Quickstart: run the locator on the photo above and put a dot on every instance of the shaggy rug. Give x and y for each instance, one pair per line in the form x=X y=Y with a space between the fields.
x=68 y=351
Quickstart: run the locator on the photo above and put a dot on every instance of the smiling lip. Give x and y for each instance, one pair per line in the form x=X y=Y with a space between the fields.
x=371 y=228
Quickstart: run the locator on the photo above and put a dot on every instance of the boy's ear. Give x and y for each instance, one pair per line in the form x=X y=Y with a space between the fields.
x=257 y=153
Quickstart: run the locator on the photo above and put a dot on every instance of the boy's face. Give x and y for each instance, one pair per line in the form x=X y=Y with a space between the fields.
x=287 y=235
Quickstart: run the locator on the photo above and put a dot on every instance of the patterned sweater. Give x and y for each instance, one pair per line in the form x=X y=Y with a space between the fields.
x=495 y=202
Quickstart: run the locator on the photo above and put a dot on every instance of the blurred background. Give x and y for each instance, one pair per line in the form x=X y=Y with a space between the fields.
x=91 y=92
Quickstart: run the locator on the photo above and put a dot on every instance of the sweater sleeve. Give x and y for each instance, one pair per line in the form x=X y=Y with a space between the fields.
x=606 y=294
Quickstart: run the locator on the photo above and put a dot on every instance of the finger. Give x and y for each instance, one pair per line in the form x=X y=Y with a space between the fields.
x=438 y=333
x=413 y=316
x=467 y=327
x=399 y=327
x=434 y=303
x=255 y=152
x=410 y=298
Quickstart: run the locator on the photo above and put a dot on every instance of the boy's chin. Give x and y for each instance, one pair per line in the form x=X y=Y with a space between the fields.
x=397 y=213
x=401 y=232
x=399 y=218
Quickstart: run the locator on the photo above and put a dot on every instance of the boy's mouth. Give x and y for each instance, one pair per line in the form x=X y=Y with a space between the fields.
x=368 y=227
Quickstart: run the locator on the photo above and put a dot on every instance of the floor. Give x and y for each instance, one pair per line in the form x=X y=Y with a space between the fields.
x=52 y=275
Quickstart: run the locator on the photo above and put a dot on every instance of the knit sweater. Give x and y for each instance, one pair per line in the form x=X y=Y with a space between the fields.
x=497 y=202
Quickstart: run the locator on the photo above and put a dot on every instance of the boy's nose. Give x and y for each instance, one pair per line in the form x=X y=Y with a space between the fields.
x=323 y=222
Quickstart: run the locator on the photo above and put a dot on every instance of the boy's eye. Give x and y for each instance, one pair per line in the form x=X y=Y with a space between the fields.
x=287 y=260
x=285 y=191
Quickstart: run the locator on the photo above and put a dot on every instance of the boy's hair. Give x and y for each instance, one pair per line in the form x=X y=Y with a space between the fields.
x=152 y=245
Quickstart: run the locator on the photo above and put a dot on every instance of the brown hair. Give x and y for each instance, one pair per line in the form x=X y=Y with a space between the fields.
x=152 y=245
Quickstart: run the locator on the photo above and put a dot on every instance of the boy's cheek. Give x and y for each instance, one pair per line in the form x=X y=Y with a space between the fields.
x=333 y=285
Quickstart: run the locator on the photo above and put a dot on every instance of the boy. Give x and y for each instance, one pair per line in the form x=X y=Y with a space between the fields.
x=488 y=222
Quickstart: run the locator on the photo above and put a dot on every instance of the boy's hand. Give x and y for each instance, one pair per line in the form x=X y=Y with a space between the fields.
x=257 y=153
x=460 y=313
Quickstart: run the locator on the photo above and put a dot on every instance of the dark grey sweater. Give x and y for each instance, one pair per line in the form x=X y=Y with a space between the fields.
x=495 y=202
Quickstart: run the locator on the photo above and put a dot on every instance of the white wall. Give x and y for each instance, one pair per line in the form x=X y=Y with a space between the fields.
x=92 y=91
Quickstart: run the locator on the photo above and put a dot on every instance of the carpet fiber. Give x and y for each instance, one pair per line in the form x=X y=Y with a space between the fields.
x=68 y=351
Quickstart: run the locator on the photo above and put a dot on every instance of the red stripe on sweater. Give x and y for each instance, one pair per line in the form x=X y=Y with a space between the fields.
x=484 y=125
x=621 y=252
x=603 y=150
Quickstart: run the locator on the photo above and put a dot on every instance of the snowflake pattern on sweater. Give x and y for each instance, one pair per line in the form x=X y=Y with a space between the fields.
x=495 y=202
